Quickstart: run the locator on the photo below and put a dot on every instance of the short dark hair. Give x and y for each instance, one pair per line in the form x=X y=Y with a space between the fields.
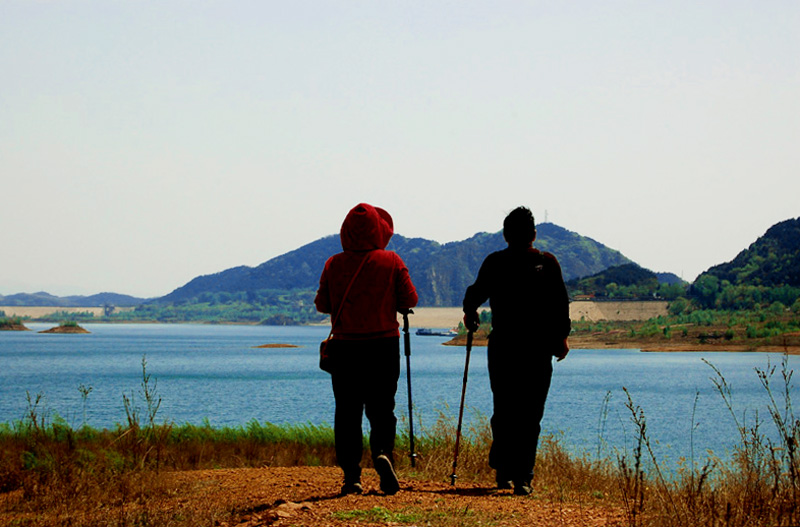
x=519 y=226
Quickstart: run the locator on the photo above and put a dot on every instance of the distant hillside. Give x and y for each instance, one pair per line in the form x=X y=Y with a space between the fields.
x=670 y=278
x=765 y=273
x=628 y=282
x=441 y=272
x=626 y=274
x=46 y=299
x=772 y=260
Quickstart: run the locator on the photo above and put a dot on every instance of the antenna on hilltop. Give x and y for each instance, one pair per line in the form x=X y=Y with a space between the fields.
x=545 y=215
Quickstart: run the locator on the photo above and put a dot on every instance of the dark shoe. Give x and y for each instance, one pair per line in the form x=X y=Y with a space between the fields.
x=522 y=488
x=351 y=488
x=505 y=485
x=504 y=482
x=389 y=482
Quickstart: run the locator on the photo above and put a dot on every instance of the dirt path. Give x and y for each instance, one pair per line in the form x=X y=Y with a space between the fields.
x=308 y=496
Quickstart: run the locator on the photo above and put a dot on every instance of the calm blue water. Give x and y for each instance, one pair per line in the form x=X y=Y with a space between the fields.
x=215 y=373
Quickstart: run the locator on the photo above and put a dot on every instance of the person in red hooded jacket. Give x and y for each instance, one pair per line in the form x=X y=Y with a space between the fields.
x=366 y=341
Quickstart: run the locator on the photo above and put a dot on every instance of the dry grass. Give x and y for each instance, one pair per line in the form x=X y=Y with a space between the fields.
x=51 y=474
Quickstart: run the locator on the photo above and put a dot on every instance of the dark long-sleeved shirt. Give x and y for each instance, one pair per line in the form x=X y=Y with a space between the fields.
x=526 y=293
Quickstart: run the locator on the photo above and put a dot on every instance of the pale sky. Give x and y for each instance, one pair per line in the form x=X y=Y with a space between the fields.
x=143 y=143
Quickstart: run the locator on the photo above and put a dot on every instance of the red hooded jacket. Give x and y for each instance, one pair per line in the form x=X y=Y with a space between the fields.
x=381 y=288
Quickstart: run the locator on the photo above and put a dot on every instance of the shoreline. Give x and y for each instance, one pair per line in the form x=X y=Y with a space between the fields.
x=423 y=317
x=584 y=343
x=447 y=318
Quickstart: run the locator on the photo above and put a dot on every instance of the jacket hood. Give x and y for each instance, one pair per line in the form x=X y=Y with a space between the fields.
x=366 y=228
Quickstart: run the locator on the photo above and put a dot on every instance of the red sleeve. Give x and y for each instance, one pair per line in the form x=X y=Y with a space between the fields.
x=405 y=291
x=323 y=299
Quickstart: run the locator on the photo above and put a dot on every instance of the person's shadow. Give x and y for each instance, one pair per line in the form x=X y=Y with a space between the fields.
x=451 y=491
x=456 y=491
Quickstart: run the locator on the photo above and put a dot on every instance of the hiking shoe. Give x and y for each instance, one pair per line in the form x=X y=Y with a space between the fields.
x=503 y=481
x=522 y=488
x=505 y=485
x=351 y=488
x=389 y=482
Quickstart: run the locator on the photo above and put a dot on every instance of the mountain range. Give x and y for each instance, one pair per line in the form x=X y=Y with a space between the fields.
x=441 y=272
x=46 y=299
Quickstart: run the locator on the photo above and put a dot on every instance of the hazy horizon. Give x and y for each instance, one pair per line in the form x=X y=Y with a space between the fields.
x=147 y=143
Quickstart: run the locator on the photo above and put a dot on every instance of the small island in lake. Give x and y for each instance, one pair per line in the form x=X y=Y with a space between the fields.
x=68 y=328
x=276 y=345
x=12 y=324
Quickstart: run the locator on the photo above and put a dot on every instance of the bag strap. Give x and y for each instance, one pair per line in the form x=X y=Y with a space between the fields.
x=346 y=291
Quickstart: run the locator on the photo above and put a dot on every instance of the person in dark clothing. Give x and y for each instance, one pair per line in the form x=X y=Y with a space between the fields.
x=366 y=341
x=530 y=326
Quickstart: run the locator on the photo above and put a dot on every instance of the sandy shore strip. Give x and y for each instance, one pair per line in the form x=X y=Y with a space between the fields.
x=43 y=311
x=434 y=317
x=449 y=317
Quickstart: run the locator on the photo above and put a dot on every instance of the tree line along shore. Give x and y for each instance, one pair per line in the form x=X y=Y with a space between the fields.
x=645 y=325
x=427 y=317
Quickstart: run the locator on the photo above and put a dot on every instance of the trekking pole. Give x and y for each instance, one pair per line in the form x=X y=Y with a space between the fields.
x=461 y=408
x=407 y=342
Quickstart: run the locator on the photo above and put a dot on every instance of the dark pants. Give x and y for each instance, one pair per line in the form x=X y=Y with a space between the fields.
x=520 y=380
x=364 y=381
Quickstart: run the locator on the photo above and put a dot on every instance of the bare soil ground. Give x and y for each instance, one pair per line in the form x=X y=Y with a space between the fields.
x=449 y=317
x=42 y=311
x=617 y=311
x=309 y=496
x=434 y=317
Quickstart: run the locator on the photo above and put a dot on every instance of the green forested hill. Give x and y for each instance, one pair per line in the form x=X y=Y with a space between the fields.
x=628 y=282
x=772 y=260
x=441 y=272
x=766 y=272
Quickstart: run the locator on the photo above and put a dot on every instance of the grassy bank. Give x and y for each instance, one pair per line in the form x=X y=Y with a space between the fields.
x=118 y=477
x=776 y=330
x=765 y=330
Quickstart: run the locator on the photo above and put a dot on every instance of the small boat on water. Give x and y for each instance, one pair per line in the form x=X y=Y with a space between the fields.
x=427 y=332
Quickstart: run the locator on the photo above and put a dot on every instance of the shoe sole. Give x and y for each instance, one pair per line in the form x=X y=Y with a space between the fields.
x=351 y=489
x=389 y=482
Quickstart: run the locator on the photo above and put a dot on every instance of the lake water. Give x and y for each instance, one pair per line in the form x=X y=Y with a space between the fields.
x=216 y=373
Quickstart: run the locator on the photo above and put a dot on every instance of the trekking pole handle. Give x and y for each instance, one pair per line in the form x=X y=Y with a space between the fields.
x=405 y=313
